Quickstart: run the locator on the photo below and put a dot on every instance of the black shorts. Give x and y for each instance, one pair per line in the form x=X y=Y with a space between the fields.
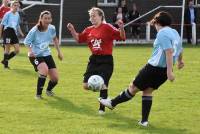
x=35 y=61
x=99 y=65
x=9 y=36
x=150 y=77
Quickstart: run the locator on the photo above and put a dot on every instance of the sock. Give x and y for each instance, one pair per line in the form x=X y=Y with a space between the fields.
x=51 y=85
x=122 y=97
x=5 y=59
x=146 y=107
x=40 y=84
x=11 y=55
x=103 y=95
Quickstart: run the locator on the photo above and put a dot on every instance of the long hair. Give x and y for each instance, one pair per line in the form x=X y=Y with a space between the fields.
x=39 y=24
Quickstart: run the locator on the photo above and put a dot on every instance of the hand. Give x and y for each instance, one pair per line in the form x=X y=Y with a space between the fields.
x=60 y=56
x=120 y=24
x=31 y=54
x=70 y=27
x=170 y=76
x=180 y=64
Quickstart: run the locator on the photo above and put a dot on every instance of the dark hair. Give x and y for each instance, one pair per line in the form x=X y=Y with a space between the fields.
x=162 y=18
x=39 y=24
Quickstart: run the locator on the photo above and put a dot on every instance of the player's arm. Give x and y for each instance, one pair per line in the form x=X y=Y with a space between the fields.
x=20 y=31
x=1 y=29
x=121 y=29
x=57 y=46
x=180 y=64
x=169 y=61
x=73 y=32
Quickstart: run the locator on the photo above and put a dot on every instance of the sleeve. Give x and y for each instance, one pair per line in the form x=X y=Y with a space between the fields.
x=5 y=19
x=28 y=41
x=83 y=36
x=53 y=31
x=115 y=33
x=164 y=41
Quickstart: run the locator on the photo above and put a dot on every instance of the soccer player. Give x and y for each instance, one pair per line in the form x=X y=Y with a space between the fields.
x=10 y=27
x=167 y=49
x=4 y=8
x=99 y=38
x=37 y=41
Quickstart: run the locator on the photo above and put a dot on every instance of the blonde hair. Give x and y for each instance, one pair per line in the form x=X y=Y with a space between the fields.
x=99 y=11
x=13 y=2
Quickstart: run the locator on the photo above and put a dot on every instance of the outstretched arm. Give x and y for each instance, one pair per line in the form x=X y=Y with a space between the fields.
x=73 y=31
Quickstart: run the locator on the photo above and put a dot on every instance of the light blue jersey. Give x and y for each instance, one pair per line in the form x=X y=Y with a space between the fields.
x=39 y=41
x=11 y=20
x=166 y=38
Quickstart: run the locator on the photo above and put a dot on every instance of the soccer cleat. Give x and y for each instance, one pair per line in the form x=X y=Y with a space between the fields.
x=101 y=112
x=144 y=124
x=38 y=97
x=106 y=102
x=50 y=93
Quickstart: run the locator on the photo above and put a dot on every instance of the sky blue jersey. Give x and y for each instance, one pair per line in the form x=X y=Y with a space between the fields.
x=39 y=41
x=11 y=20
x=167 y=38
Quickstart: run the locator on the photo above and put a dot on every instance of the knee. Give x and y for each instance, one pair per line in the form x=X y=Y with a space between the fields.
x=133 y=89
x=147 y=92
x=17 y=51
x=85 y=86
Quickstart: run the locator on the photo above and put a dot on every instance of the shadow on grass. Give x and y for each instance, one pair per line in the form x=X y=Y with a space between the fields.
x=67 y=105
x=24 y=71
x=125 y=124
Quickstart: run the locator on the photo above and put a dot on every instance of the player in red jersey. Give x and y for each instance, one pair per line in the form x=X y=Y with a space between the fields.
x=99 y=38
x=4 y=8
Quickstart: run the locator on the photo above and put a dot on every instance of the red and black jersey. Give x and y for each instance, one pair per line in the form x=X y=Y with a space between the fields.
x=3 y=10
x=100 y=39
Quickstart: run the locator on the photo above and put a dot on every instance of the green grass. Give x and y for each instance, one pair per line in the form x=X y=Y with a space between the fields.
x=175 y=110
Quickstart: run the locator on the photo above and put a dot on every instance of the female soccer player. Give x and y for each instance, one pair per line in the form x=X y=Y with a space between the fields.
x=37 y=41
x=167 y=50
x=99 y=38
x=10 y=26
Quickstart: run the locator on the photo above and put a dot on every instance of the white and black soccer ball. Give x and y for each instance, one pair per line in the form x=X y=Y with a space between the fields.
x=95 y=83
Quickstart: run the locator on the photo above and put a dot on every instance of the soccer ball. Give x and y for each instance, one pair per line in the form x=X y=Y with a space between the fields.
x=95 y=83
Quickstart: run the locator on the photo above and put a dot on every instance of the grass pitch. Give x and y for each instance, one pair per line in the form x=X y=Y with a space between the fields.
x=175 y=110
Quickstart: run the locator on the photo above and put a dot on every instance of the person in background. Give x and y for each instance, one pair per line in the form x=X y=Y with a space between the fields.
x=10 y=26
x=135 y=26
x=190 y=17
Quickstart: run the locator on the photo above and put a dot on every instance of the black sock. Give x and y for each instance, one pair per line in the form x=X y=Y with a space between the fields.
x=5 y=60
x=40 y=84
x=146 y=107
x=11 y=55
x=122 y=97
x=103 y=95
x=51 y=85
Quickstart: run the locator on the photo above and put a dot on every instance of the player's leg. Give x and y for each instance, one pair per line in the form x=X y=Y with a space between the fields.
x=6 y=56
x=146 y=106
x=15 y=52
x=53 y=75
x=124 y=96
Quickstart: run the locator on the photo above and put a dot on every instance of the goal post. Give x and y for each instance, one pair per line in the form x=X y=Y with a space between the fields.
x=32 y=3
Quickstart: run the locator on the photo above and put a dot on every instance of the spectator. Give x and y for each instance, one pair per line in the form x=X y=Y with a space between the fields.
x=118 y=16
x=124 y=7
x=189 y=17
x=135 y=26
